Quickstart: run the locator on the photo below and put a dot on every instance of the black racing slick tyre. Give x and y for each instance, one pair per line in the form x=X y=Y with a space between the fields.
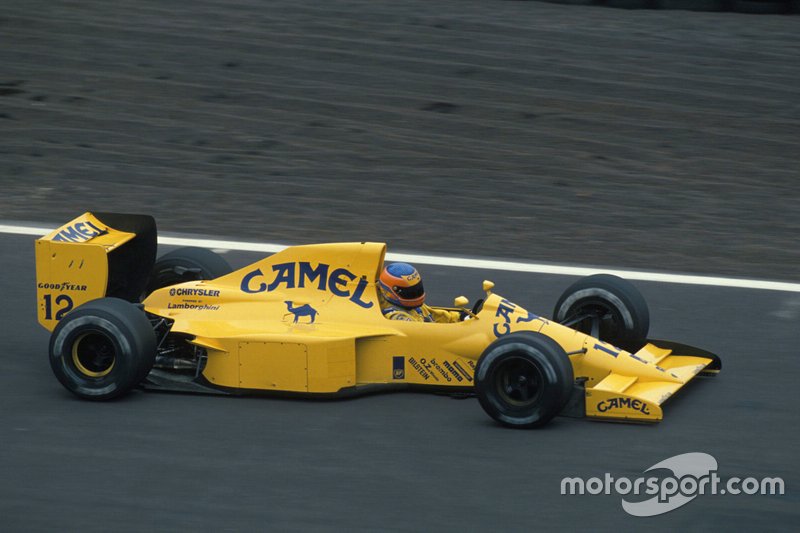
x=102 y=349
x=523 y=379
x=186 y=264
x=606 y=307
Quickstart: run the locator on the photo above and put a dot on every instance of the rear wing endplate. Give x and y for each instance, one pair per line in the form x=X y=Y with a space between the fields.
x=92 y=256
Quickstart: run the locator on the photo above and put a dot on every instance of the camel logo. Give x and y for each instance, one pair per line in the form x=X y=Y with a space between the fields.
x=302 y=310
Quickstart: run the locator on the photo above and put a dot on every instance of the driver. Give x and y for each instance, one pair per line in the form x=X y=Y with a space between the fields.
x=402 y=297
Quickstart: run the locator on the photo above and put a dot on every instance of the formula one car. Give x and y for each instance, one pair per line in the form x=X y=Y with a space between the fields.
x=307 y=321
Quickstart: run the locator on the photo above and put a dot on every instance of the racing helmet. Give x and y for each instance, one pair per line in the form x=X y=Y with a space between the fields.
x=401 y=284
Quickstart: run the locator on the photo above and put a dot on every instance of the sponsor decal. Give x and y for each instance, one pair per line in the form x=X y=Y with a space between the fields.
x=398 y=367
x=613 y=352
x=453 y=371
x=429 y=367
x=531 y=317
x=193 y=292
x=436 y=365
x=432 y=369
x=63 y=286
x=193 y=306
x=467 y=375
x=300 y=310
x=412 y=278
x=422 y=368
x=79 y=232
x=623 y=403
x=297 y=275
x=504 y=312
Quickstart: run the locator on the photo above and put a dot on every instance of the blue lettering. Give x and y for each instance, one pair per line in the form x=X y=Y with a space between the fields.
x=80 y=227
x=356 y=297
x=307 y=273
x=510 y=305
x=285 y=275
x=246 y=282
x=95 y=228
x=609 y=351
x=71 y=235
x=530 y=318
x=623 y=403
x=80 y=232
x=504 y=311
x=505 y=331
x=337 y=280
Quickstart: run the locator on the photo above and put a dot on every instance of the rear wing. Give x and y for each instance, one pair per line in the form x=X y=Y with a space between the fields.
x=92 y=256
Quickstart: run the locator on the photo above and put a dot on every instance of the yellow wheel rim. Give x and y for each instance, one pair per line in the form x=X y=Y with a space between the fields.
x=93 y=355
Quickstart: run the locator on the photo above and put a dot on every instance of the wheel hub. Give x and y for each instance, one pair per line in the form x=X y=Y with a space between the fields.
x=519 y=382
x=93 y=355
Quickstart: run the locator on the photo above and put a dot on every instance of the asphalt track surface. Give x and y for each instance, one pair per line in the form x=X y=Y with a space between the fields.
x=649 y=139
x=400 y=461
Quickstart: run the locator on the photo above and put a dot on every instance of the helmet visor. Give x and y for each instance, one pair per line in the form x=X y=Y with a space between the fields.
x=410 y=293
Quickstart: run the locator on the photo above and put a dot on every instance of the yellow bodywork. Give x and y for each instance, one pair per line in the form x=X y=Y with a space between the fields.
x=308 y=320
x=72 y=266
x=255 y=341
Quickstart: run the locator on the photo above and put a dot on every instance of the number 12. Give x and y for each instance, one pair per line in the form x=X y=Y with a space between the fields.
x=61 y=300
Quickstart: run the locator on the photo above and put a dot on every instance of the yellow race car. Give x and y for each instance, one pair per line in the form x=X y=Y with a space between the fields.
x=307 y=321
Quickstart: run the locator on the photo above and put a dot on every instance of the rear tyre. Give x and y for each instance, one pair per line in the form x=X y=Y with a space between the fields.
x=606 y=307
x=102 y=349
x=523 y=379
x=186 y=264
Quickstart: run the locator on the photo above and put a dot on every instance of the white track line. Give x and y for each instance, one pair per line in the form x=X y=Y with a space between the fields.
x=465 y=262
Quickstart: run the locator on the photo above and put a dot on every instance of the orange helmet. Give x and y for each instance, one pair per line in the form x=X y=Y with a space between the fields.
x=401 y=284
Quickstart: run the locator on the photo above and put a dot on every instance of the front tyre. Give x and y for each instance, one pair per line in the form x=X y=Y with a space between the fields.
x=606 y=307
x=523 y=379
x=102 y=349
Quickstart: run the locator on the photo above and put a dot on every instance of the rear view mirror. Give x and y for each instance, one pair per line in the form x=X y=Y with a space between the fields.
x=488 y=286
